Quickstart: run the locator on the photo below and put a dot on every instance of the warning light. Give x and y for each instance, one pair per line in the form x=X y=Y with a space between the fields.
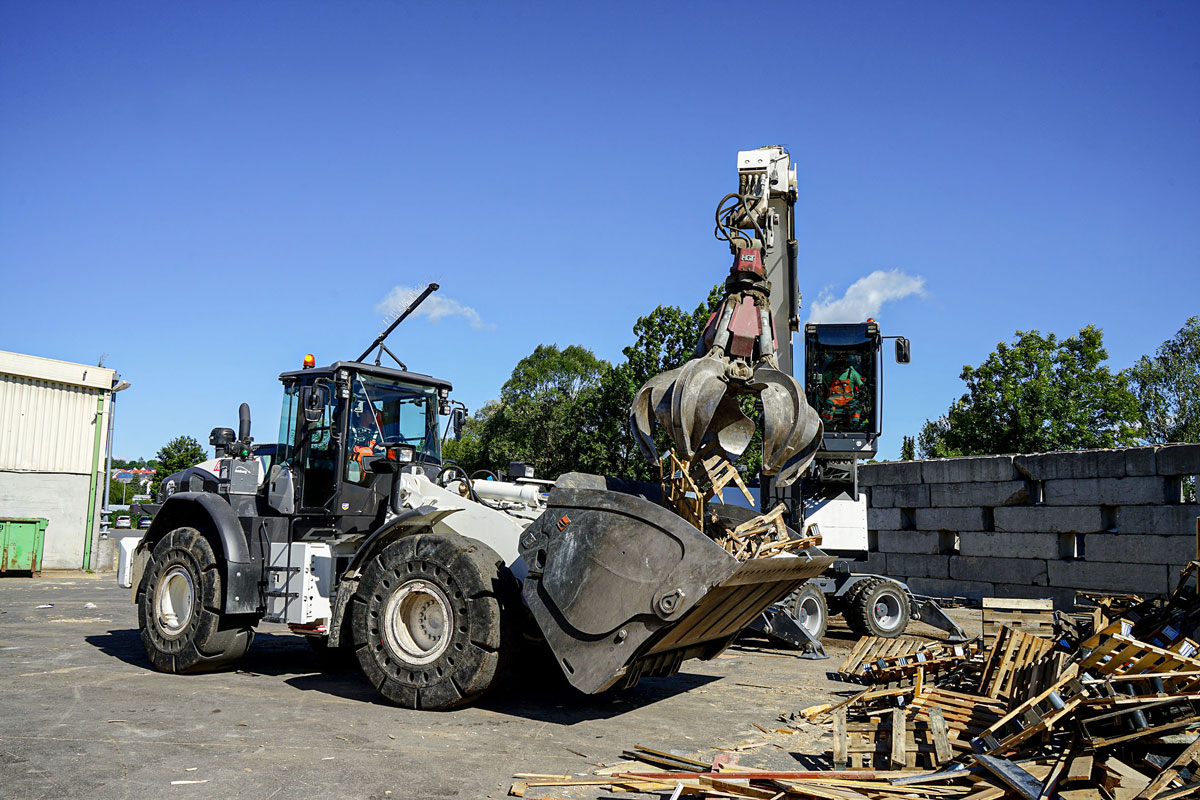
x=870 y=319
x=309 y=361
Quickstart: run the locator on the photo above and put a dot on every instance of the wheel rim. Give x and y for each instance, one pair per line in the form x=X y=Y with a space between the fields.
x=418 y=622
x=808 y=612
x=173 y=603
x=887 y=611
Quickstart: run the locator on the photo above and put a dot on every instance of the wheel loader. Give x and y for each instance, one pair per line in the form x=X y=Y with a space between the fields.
x=357 y=535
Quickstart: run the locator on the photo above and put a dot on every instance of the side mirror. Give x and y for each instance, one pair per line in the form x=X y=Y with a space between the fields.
x=457 y=417
x=313 y=400
x=903 y=350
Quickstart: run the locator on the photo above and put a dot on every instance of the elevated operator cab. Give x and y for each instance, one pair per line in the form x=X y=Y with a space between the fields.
x=338 y=421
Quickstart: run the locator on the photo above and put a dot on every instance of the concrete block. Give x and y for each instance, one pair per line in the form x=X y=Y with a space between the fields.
x=1145 y=548
x=1165 y=520
x=911 y=565
x=990 y=494
x=1113 y=577
x=925 y=542
x=1049 y=519
x=1106 y=491
x=1178 y=459
x=905 y=496
x=889 y=473
x=884 y=519
x=951 y=519
x=1064 y=599
x=1140 y=461
x=1026 y=571
x=973 y=469
x=1008 y=545
x=936 y=587
x=1069 y=464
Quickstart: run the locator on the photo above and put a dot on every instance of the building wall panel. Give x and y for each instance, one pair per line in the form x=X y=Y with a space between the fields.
x=47 y=427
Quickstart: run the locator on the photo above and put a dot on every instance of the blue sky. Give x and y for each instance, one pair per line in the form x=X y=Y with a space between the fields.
x=204 y=192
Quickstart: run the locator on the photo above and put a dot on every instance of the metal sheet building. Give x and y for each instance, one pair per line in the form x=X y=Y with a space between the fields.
x=53 y=424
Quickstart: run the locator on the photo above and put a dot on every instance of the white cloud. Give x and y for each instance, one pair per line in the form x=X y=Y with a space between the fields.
x=866 y=296
x=436 y=307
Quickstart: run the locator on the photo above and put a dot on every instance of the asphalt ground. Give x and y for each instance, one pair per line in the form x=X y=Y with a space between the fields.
x=83 y=714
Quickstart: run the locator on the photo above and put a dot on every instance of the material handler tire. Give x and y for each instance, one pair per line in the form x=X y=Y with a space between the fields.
x=432 y=620
x=179 y=608
x=877 y=607
x=810 y=609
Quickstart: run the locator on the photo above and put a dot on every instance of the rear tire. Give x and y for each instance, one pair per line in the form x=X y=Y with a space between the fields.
x=810 y=610
x=877 y=607
x=179 y=608
x=431 y=620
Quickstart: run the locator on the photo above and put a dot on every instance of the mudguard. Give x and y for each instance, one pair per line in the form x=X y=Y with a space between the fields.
x=622 y=588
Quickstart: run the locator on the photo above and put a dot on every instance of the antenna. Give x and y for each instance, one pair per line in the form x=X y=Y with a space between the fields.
x=430 y=289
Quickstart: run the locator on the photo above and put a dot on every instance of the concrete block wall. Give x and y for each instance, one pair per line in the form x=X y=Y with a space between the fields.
x=1041 y=525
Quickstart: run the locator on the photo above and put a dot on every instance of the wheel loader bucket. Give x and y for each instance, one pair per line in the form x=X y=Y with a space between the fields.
x=622 y=588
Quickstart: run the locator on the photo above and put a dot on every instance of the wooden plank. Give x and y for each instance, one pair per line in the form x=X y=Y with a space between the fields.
x=941 y=741
x=1189 y=757
x=1039 y=604
x=840 y=744
x=898 y=758
x=1080 y=768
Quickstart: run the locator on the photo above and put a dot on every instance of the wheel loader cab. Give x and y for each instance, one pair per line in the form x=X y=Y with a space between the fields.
x=337 y=422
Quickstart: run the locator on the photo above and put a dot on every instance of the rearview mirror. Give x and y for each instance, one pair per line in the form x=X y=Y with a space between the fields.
x=457 y=417
x=313 y=400
x=903 y=350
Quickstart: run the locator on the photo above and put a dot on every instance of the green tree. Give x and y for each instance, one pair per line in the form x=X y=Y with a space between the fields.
x=1167 y=387
x=179 y=453
x=564 y=410
x=908 y=449
x=1034 y=395
x=542 y=417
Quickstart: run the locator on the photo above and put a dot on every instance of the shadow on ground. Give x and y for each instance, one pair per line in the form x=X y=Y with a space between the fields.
x=535 y=688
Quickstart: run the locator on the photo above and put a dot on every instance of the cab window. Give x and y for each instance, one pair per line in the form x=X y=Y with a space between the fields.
x=384 y=413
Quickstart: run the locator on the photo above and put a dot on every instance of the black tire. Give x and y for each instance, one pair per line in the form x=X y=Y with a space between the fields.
x=179 y=608
x=810 y=609
x=877 y=607
x=415 y=591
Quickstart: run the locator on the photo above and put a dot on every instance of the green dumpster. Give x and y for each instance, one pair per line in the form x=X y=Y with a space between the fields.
x=21 y=543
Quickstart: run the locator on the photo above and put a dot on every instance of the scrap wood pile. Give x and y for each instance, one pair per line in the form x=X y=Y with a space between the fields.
x=1116 y=715
x=687 y=486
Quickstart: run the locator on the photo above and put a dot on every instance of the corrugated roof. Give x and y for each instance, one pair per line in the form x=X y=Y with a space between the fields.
x=49 y=369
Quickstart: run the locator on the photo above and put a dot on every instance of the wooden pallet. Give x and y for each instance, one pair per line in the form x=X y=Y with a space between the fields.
x=966 y=715
x=1019 y=666
x=1034 y=617
x=1037 y=715
x=1121 y=655
x=869 y=649
x=891 y=741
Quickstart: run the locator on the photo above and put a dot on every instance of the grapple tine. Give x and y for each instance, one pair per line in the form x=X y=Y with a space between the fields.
x=648 y=401
x=732 y=429
x=790 y=427
x=694 y=399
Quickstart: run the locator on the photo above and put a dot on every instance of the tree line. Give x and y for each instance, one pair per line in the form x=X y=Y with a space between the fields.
x=564 y=409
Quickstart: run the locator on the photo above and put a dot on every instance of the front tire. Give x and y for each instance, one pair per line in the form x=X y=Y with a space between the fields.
x=179 y=608
x=877 y=607
x=431 y=620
